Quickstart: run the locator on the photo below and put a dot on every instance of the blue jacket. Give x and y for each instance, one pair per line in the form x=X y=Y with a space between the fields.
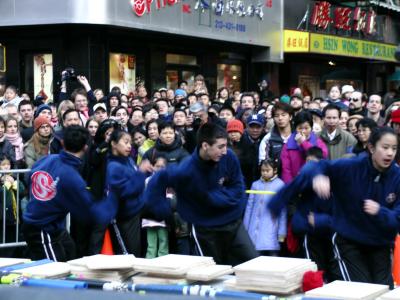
x=305 y=201
x=125 y=185
x=209 y=194
x=353 y=181
x=263 y=228
x=56 y=188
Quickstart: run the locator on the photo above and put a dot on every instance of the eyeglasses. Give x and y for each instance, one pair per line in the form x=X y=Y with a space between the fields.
x=354 y=100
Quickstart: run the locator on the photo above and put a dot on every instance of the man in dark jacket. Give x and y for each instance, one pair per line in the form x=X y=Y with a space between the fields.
x=249 y=146
x=210 y=192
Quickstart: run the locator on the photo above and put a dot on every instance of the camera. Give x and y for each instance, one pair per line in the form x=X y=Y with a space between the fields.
x=69 y=74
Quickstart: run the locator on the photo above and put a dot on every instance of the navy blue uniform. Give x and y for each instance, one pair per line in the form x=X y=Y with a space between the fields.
x=56 y=188
x=362 y=242
x=211 y=197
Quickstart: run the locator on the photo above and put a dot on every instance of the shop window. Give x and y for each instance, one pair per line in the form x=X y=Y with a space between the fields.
x=172 y=79
x=229 y=76
x=123 y=72
x=178 y=59
x=43 y=75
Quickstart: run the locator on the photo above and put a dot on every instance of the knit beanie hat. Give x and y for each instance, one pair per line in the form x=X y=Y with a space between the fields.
x=235 y=125
x=41 y=108
x=39 y=121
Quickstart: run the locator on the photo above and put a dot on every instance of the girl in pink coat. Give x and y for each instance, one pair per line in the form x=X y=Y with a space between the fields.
x=293 y=155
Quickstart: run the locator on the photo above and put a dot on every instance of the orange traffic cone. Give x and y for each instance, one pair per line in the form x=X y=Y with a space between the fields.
x=107 y=248
x=396 y=261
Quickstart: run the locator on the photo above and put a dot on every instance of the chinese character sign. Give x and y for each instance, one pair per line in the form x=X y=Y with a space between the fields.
x=296 y=41
x=343 y=18
x=321 y=15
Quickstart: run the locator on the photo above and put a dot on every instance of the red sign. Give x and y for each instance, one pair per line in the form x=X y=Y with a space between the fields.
x=344 y=18
x=321 y=15
x=142 y=6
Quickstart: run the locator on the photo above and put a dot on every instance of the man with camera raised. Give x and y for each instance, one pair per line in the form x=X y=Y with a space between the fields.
x=83 y=98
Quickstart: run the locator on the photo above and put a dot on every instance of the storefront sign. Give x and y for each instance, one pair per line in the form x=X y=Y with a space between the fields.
x=296 y=41
x=2 y=58
x=250 y=22
x=334 y=45
x=218 y=7
x=343 y=18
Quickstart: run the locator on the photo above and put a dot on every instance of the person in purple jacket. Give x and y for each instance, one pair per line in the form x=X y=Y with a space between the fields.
x=293 y=154
x=265 y=230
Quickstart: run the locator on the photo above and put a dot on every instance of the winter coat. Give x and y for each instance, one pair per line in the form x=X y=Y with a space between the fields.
x=249 y=158
x=173 y=153
x=342 y=143
x=147 y=144
x=263 y=228
x=293 y=156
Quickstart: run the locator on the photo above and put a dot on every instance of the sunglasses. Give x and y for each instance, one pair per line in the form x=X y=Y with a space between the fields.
x=354 y=100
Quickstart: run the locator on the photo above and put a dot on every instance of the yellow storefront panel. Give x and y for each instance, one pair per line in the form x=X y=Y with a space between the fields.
x=329 y=44
x=296 y=41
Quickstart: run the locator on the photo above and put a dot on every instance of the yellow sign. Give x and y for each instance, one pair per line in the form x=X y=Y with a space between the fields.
x=335 y=45
x=296 y=41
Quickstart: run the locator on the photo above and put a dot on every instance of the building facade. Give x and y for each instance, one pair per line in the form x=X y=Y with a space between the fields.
x=339 y=42
x=122 y=42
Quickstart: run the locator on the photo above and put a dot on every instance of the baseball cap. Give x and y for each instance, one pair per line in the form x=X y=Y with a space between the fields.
x=197 y=107
x=256 y=119
x=99 y=105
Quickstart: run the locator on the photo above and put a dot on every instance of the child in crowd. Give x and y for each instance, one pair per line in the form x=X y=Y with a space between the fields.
x=264 y=229
x=157 y=233
x=9 y=187
x=6 y=149
x=235 y=130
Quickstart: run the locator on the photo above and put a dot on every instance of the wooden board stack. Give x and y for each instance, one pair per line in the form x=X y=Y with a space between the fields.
x=181 y=268
x=348 y=291
x=392 y=295
x=6 y=262
x=103 y=267
x=48 y=270
x=271 y=274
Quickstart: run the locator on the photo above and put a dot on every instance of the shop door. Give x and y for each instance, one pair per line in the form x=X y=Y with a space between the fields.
x=178 y=74
x=181 y=67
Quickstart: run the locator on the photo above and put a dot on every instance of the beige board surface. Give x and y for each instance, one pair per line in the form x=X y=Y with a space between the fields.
x=50 y=270
x=348 y=291
x=104 y=262
x=392 y=295
x=171 y=265
x=209 y=273
x=288 y=289
x=6 y=262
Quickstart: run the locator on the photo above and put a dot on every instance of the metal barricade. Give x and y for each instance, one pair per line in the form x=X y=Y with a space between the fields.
x=17 y=173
